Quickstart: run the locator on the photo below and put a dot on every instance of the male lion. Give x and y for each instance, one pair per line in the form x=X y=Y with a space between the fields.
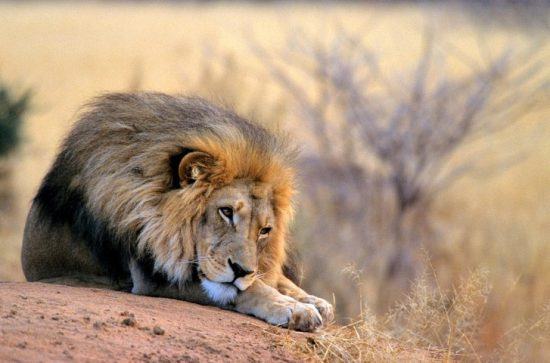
x=177 y=198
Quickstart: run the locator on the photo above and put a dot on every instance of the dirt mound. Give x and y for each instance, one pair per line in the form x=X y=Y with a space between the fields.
x=43 y=322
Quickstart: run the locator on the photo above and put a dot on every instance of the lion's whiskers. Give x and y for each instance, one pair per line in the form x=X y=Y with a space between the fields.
x=259 y=276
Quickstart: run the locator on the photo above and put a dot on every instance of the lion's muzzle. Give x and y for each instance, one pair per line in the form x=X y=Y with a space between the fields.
x=238 y=270
x=243 y=277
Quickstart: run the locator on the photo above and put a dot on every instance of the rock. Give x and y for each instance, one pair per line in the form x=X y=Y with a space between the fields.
x=130 y=321
x=196 y=333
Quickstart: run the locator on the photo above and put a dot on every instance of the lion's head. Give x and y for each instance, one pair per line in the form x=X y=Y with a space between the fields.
x=236 y=225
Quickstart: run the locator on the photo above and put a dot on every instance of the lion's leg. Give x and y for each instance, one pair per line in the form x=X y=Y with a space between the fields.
x=287 y=287
x=141 y=283
x=50 y=251
x=265 y=302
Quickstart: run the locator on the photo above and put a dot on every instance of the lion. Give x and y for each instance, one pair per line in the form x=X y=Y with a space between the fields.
x=172 y=196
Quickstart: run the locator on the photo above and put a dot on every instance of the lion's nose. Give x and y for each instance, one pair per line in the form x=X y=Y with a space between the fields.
x=238 y=270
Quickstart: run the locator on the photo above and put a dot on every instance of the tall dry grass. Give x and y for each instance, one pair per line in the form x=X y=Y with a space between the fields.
x=432 y=325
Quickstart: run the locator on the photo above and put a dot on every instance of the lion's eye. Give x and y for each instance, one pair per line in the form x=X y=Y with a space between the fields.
x=227 y=213
x=265 y=231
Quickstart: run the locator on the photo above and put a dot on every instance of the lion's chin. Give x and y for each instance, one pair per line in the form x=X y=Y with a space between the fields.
x=242 y=284
x=219 y=292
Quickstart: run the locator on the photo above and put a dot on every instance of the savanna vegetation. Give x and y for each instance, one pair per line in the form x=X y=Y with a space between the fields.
x=424 y=200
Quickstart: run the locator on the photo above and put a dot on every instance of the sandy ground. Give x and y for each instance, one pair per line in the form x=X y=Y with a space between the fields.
x=53 y=323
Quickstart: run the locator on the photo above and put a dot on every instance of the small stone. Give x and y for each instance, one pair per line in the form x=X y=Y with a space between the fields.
x=55 y=317
x=157 y=330
x=22 y=345
x=130 y=321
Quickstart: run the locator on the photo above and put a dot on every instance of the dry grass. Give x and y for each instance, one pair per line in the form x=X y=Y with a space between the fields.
x=431 y=325
x=495 y=222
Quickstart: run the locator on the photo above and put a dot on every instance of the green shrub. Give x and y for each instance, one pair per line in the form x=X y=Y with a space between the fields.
x=12 y=110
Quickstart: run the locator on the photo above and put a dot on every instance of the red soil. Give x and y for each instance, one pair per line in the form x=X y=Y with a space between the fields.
x=54 y=323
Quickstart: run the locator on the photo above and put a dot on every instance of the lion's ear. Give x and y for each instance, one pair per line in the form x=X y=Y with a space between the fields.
x=194 y=166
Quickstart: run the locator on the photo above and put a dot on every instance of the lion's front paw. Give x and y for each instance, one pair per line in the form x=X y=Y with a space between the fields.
x=324 y=307
x=295 y=315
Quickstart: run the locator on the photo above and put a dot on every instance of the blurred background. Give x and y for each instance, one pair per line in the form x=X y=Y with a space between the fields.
x=423 y=126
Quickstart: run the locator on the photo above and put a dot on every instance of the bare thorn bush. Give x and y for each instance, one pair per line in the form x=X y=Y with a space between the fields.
x=383 y=145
